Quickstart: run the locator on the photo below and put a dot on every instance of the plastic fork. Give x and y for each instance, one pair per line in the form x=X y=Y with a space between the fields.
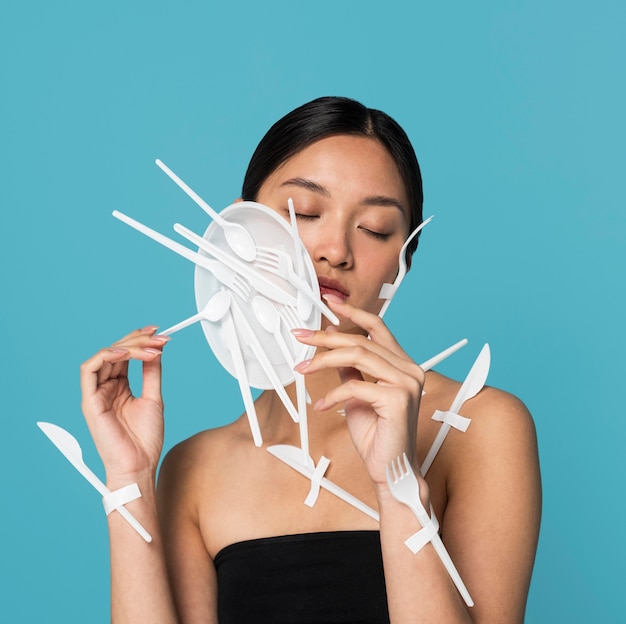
x=259 y=282
x=387 y=291
x=404 y=487
x=279 y=263
x=202 y=261
x=230 y=278
x=290 y=317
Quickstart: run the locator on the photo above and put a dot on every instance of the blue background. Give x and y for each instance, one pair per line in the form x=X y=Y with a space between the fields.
x=516 y=111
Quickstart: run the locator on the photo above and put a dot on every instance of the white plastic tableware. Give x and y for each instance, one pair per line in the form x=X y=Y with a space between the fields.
x=388 y=291
x=212 y=312
x=272 y=322
x=256 y=278
x=244 y=330
x=69 y=446
x=293 y=457
x=237 y=236
x=233 y=345
x=472 y=385
x=280 y=264
x=303 y=419
x=208 y=264
x=268 y=230
x=440 y=357
x=304 y=303
x=404 y=487
x=269 y=318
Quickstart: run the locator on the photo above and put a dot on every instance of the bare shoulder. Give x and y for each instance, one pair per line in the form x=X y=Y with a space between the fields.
x=190 y=464
x=493 y=489
x=501 y=436
x=496 y=415
x=500 y=448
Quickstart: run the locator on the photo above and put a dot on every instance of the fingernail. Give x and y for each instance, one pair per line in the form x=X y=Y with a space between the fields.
x=161 y=338
x=332 y=298
x=153 y=351
x=302 y=365
x=302 y=331
x=149 y=329
x=319 y=405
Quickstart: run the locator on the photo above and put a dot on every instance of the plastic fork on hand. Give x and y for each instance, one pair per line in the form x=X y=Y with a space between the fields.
x=404 y=487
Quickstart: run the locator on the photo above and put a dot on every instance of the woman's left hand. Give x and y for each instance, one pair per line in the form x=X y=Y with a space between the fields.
x=380 y=388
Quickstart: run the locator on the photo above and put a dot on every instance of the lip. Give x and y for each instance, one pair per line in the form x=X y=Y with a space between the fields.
x=330 y=286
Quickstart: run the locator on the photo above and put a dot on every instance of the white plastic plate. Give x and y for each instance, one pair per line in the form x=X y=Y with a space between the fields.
x=268 y=230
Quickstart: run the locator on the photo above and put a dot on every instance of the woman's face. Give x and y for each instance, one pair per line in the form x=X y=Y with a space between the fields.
x=352 y=210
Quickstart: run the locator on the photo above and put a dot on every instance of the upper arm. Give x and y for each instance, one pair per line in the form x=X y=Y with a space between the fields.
x=190 y=567
x=491 y=521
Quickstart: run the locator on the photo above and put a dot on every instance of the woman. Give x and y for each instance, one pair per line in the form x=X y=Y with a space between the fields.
x=231 y=533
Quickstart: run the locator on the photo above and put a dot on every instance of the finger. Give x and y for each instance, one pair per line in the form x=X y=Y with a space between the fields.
x=346 y=373
x=142 y=338
x=336 y=340
x=384 y=400
x=371 y=323
x=148 y=330
x=99 y=368
x=366 y=361
x=91 y=368
x=151 y=386
x=105 y=373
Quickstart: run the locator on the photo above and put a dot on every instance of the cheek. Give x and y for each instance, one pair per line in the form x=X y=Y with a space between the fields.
x=381 y=264
x=376 y=272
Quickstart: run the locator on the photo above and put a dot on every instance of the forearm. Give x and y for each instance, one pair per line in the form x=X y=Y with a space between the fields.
x=140 y=590
x=419 y=588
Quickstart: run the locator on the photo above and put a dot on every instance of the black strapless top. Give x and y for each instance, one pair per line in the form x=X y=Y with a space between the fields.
x=312 y=578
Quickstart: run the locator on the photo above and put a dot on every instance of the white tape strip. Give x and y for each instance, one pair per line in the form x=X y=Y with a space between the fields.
x=418 y=540
x=316 y=479
x=387 y=291
x=120 y=497
x=454 y=420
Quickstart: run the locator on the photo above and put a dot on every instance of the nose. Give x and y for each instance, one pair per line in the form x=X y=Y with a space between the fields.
x=332 y=244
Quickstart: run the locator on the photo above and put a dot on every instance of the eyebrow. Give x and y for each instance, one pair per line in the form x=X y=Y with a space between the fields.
x=309 y=185
x=370 y=200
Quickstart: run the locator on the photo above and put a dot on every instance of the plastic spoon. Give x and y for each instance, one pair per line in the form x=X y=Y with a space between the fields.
x=257 y=281
x=269 y=319
x=243 y=327
x=237 y=237
x=213 y=311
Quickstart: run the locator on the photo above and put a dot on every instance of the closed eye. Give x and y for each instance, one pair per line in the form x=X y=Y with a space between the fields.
x=306 y=217
x=379 y=235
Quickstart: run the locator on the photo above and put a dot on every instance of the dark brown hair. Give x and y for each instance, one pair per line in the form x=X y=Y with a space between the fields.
x=332 y=116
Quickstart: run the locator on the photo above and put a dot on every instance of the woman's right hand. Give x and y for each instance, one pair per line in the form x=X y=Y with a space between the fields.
x=127 y=430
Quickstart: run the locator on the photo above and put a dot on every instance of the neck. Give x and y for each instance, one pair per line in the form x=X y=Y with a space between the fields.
x=279 y=428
